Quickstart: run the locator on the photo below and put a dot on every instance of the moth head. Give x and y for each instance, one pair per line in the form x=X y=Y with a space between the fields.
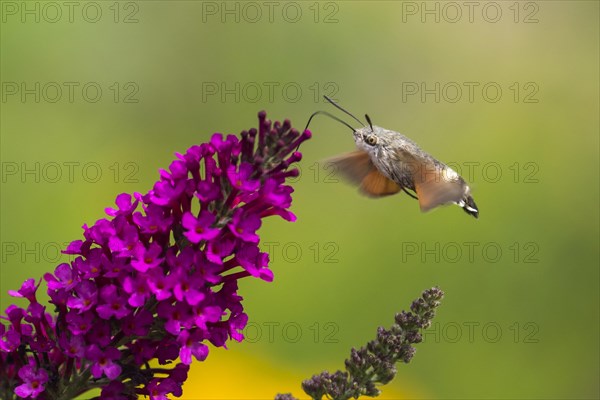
x=371 y=138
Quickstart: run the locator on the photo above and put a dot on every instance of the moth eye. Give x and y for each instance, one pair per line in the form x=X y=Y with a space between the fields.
x=371 y=140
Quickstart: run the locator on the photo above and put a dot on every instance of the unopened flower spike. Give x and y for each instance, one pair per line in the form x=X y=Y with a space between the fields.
x=375 y=364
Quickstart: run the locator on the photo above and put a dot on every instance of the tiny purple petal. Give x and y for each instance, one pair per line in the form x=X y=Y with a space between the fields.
x=198 y=229
x=244 y=226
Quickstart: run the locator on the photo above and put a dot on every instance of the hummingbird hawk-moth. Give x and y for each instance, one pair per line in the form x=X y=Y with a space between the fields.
x=387 y=162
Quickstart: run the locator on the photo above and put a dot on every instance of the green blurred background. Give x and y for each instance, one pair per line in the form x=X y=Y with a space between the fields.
x=520 y=317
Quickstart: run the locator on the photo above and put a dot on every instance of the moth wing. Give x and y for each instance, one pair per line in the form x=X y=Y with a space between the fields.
x=357 y=168
x=435 y=184
x=432 y=193
x=375 y=184
x=353 y=166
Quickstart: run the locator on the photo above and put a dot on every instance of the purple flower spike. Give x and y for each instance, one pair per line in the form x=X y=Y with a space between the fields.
x=155 y=281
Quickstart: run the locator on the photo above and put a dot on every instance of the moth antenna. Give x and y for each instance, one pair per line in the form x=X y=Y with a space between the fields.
x=336 y=105
x=330 y=116
x=369 y=121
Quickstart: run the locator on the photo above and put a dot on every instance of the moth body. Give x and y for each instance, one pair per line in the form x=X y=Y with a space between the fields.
x=387 y=162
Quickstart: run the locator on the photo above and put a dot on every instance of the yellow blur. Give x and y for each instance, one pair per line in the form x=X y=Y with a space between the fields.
x=232 y=374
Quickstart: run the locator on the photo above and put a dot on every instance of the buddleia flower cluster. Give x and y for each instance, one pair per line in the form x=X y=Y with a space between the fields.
x=155 y=281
